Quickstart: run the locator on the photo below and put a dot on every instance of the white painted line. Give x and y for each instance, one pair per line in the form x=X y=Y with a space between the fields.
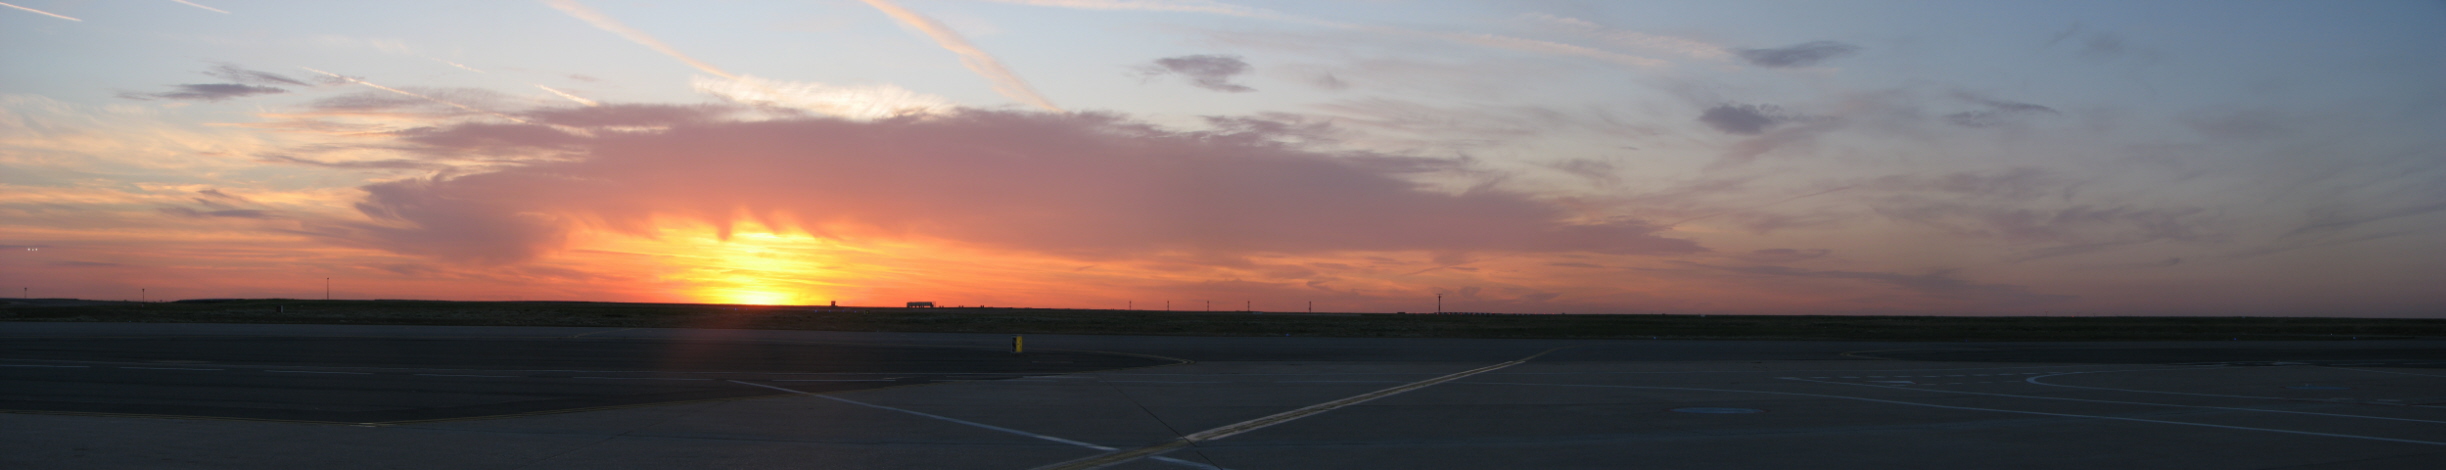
x=319 y=372
x=2041 y=413
x=466 y=375
x=635 y=378
x=1337 y=382
x=2229 y=408
x=165 y=368
x=975 y=424
x=1229 y=430
x=38 y=365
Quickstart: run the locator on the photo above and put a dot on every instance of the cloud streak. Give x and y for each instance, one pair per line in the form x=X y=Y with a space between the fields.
x=1212 y=72
x=854 y=102
x=214 y=92
x=193 y=4
x=576 y=98
x=1797 y=55
x=1493 y=41
x=233 y=72
x=606 y=23
x=1747 y=119
x=44 y=13
x=1007 y=83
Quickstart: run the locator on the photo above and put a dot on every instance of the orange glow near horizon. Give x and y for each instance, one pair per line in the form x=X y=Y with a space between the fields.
x=754 y=267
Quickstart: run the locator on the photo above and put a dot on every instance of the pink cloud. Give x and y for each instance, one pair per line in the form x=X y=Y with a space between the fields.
x=1080 y=185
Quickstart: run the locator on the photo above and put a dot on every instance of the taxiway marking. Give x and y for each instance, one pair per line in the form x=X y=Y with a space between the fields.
x=1116 y=458
x=975 y=424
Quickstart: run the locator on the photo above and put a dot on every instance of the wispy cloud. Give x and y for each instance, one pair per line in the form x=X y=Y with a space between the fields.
x=1494 y=41
x=1996 y=112
x=600 y=20
x=1748 y=119
x=1798 y=55
x=193 y=4
x=854 y=102
x=1617 y=37
x=1181 y=6
x=235 y=73
x=1007 y=83
x=571 y=97
x=207 y=92
x=44 y=13
x=355 y=80
x=1212 y=72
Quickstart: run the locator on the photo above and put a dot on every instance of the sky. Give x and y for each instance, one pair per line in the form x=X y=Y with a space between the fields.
x=1732 y=157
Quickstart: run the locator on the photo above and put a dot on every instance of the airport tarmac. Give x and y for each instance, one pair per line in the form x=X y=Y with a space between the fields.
x=96 y=395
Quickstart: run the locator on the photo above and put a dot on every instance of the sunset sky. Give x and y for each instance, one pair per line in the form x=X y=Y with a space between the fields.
x=1979 y=158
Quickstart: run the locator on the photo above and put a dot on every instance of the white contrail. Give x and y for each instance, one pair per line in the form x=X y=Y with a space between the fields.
x=349 y=79
x=977 y=60
x=571 y=97
x=571 y=130
x=456 y=64
x=581 y=11
x=44 y=13
x=192 y=4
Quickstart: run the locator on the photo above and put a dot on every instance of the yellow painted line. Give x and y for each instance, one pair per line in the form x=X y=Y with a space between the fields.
x=1119 y=457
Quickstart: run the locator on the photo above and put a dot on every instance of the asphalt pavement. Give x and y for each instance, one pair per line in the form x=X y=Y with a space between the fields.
x=90 y=395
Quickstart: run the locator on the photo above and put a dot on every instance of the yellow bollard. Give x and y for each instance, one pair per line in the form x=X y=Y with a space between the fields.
x=1015 y=344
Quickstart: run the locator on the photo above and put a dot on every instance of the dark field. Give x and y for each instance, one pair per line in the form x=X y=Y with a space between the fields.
x=1123 y=322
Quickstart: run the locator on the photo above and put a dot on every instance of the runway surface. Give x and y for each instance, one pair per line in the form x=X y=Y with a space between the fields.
x=252 y=396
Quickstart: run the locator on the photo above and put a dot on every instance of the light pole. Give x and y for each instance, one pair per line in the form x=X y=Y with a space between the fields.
x=327 y=291
x=1439 y=302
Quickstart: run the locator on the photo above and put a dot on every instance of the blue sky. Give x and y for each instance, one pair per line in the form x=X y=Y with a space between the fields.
x=2268 y=158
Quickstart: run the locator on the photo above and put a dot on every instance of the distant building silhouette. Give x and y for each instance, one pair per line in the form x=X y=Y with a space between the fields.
x=921 y=304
